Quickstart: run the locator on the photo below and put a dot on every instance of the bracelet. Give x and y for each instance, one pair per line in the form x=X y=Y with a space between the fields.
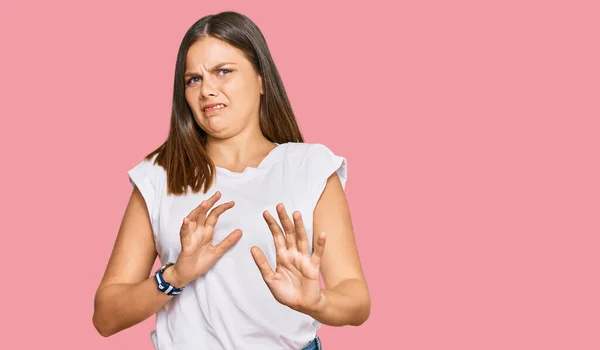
x=163 y=285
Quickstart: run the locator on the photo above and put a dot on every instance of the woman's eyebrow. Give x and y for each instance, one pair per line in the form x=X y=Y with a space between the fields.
x=190 y=73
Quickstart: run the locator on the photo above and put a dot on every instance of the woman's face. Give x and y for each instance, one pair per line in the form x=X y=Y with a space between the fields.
x=218 y=73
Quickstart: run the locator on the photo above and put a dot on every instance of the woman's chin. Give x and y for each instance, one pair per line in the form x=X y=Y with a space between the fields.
x=216 y=125
x=220 y=131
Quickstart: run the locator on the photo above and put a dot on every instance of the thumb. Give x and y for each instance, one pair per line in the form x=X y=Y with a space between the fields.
x=263 y=264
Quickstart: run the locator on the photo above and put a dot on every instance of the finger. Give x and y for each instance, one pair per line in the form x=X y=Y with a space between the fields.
x=276 y=231
x=263 y=264
x=213 y=217
x=288 y=227
x=199 y=213
x=185 y=227
x=302 y=237
x=228 y=242
x=184 y=233
x=318 y=249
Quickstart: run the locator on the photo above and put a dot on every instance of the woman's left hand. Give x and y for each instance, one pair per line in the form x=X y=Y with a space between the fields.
x=296 y=279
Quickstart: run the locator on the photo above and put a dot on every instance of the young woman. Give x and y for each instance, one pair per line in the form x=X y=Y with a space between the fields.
x=238 y=208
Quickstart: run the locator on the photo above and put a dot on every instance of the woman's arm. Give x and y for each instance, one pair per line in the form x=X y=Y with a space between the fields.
x=346 y=297
x=126 y=295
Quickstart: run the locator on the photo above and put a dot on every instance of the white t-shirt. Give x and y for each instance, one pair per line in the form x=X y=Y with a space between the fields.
x=230 y=307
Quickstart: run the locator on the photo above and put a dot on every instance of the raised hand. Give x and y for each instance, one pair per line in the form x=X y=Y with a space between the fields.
x=198 y=254
x=295 y=281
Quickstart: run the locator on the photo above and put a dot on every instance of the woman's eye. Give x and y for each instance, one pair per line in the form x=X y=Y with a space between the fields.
x=193 y=80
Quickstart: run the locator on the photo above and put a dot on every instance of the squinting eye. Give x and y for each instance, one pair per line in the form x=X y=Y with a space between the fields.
x=192 y=80
x=225 y=70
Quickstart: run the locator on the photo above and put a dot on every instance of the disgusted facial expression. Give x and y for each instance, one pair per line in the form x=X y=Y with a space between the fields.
x=222 y=88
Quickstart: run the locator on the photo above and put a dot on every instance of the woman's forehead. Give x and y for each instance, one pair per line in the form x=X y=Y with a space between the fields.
x=209 y=52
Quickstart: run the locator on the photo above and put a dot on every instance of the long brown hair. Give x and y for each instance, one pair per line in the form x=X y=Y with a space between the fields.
x=183 y=154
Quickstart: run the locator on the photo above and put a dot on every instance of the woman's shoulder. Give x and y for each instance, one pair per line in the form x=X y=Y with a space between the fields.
x=315 y=158
x=314 y=163
x=149 y=178
x=147 y=169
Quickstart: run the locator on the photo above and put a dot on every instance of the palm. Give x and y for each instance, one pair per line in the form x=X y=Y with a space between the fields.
x=198 y=254
x=200 y=250
x=296 y=279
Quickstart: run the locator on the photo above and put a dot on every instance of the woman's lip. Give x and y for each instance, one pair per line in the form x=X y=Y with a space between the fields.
x=210 y=105
x=215 y=110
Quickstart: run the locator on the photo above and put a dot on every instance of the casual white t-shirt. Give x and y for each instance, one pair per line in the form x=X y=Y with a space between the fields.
x=230 y=307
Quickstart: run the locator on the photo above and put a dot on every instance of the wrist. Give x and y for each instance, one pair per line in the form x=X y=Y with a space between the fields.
x=170 y=276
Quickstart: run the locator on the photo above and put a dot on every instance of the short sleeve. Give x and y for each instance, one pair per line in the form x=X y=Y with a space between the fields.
x=322 y=164
x=143 y=177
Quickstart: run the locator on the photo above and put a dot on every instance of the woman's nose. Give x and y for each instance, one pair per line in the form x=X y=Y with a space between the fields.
x=208 y=89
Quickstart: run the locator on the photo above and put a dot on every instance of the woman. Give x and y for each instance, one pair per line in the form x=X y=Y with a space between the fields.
x=229 y=203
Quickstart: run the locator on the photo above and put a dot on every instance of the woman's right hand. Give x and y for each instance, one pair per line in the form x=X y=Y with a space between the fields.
x=198 y=254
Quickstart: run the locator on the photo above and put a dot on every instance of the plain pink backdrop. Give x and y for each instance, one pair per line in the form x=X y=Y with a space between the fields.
x=471 y=130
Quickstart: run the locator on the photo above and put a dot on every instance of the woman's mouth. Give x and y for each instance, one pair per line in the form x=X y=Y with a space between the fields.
x=215 y=107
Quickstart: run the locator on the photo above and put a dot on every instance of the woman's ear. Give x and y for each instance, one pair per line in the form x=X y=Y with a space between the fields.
x=261 y=85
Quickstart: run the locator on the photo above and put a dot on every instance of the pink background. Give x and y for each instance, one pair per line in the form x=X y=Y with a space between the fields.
x=471 y=131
